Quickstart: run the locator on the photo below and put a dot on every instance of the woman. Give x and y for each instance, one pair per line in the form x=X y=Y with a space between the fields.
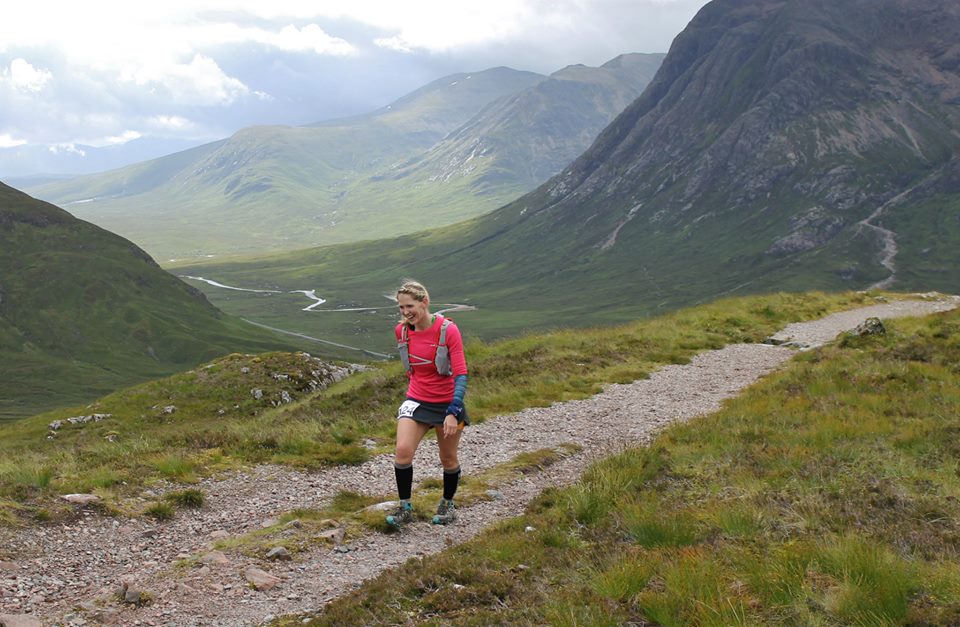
x=431 y=349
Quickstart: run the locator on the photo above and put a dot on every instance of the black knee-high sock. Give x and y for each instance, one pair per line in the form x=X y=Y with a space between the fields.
x=451 y=479
x=404 y=473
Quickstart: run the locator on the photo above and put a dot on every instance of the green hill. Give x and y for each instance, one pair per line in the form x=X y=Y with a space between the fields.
x=84 y=312
x=273 y=187
x=514 y=144
x=781 y=145
x=454 y=149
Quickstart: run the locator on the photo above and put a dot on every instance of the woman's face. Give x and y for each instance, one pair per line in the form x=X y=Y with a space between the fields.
x=414 y=312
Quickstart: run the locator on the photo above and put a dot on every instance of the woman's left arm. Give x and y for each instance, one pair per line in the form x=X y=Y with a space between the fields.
x=458 y=363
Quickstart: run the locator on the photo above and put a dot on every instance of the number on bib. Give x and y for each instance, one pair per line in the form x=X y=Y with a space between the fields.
x=406 y=410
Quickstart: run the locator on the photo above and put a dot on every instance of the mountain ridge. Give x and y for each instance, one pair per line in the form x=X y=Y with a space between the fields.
x=771 y=131
x=282 y=187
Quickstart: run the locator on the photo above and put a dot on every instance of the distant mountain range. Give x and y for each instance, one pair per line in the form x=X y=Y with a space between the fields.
x=783 y=145
x=458 y=147
x=34 y=165
x=83 y=312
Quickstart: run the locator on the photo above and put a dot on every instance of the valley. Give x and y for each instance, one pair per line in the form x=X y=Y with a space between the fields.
x=709 y=299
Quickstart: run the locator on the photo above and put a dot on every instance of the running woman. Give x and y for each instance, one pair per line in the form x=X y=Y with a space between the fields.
x=431 y=349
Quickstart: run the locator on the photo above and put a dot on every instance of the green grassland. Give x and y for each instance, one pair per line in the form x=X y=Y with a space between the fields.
x=219 y=424
x=84 y=312
x=826 y=494
x=525 y=273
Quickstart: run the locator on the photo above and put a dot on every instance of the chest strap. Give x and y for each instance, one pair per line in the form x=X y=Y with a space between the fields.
x=442 y=358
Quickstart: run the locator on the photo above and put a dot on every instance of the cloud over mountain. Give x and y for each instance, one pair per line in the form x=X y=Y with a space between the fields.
x=70 y=75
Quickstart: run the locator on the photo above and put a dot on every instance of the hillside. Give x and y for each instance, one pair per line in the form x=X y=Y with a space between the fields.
x=272 y=187
x=84 y=312
x=783 y=145
x=644 y=535
x=513 y=145
x=456 y=148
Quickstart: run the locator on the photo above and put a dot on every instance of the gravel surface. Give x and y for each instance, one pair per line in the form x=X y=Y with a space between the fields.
x=68 y=574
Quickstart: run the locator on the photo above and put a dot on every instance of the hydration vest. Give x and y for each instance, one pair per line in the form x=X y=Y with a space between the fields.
x=441 y=361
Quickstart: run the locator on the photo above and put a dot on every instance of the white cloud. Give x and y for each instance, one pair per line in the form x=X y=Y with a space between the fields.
x=25 y=78
x=67 y=147
x=310 y=38
x=6 y=141
x=122 y=138
x=200 y=82
x=393 y=43
x=204 y=68
x=169 y=122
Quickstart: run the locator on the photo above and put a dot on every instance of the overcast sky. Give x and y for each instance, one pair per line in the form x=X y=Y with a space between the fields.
x=103 y=72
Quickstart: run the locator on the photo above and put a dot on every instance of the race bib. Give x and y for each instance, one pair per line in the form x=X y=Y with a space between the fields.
x=406 y=410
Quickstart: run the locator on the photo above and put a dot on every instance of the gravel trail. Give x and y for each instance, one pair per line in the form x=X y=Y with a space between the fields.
x=65 y=575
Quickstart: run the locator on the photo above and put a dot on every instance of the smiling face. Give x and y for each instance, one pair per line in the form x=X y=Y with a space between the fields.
x=414 y=312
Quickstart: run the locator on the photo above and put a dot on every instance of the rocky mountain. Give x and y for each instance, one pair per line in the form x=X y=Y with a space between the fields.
x=782 y=145
x=513 y=145
x=83 y=312
x=454 y=149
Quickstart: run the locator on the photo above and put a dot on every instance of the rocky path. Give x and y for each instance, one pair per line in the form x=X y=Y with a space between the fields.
x=889 y=239
x=67 y=575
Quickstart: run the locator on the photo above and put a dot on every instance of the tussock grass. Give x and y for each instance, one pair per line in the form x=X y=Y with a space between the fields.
x=825 y=494
x=160 y=511
x=218 y=423
x=191 y=498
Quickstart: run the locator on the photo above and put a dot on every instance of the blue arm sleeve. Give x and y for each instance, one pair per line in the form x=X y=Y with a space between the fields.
x=459 y=390
x=459 y=387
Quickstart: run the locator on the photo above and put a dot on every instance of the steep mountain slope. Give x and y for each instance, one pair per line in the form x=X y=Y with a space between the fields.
x=784 y=144
x=510 y=147
x=397 y=170
x=83 y=312
x=272 y=187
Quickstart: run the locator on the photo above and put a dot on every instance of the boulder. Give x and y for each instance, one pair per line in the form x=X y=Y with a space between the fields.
x=870 y=326
x=81 y=499
x=279 y=553
x=216 y=558
x=261 y=580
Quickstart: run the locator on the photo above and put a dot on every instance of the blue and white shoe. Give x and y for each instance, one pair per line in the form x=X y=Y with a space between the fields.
x=446 y=513
x=402 y=515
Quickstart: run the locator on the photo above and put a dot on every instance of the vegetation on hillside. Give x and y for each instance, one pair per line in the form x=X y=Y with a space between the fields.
x=826 y=494
x=84 y=312
x=281 y=187
x=218 y=422
x=773 y=137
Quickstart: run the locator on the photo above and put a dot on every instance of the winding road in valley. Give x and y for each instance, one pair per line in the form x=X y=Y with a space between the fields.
x=312 y=295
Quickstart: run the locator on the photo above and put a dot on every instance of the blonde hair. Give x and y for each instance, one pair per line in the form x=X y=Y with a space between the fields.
x=414 y=289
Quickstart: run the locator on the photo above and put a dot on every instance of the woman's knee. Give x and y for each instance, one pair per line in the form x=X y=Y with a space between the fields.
x=404 y=453
x=449 y=459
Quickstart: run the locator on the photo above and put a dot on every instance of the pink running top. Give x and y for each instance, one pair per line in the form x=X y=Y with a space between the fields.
x=426 y=384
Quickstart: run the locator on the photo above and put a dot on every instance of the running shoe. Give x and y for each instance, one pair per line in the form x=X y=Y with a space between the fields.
x=402 y=516
x=446 y=513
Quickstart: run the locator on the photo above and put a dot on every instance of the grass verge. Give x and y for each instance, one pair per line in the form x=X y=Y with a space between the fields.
x=826 y=494
x=210 y=419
